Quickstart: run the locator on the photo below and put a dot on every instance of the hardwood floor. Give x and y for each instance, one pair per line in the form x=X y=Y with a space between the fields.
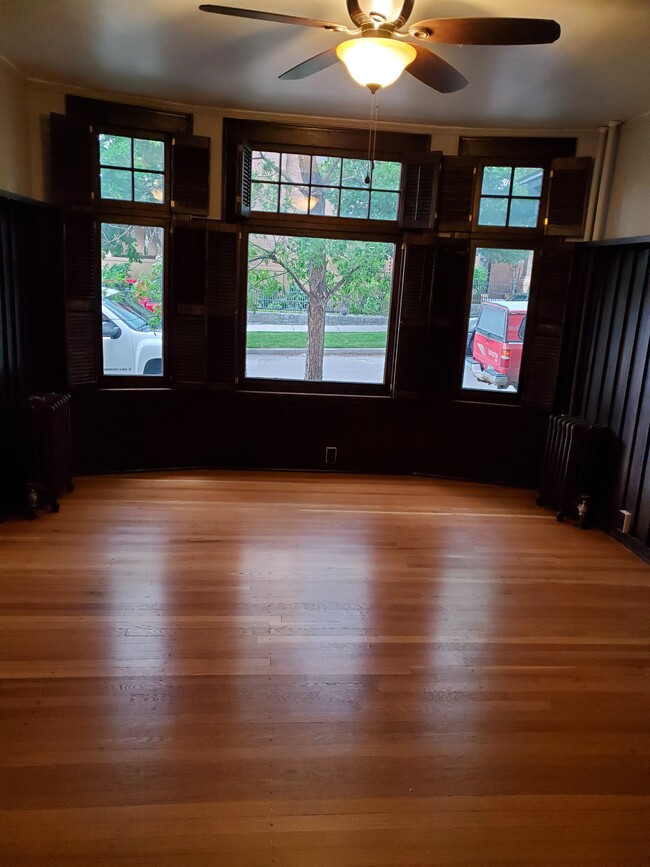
x=221 y=669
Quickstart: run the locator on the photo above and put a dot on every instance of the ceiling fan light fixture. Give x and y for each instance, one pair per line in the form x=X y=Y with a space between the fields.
x=375 y=62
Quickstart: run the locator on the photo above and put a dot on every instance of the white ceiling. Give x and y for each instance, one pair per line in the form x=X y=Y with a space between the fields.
x=168 y=49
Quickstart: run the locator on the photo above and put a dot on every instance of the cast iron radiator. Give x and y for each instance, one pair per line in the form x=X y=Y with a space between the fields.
x=47 y=450
x=576 y=470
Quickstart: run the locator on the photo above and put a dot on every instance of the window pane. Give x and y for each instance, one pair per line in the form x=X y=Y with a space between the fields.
x=149 y=187
x=354 y=203
x=386 y=176
x=149 y=154
x=132 y=296
x=383 y=206
x=496 y=180
x=497 y=319
x=291 y=335
x=266 y=166
x=264 y=197
x=528 y=182
x=493 y=212
x=324 y=202
x=326 y=171
x=115 y=150
x=116 y=184
x=355 y=173
x=294 y=199
x=523 y=212
x=296 y=168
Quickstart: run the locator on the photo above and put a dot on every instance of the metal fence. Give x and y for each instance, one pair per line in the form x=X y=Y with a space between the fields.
x=294 y=301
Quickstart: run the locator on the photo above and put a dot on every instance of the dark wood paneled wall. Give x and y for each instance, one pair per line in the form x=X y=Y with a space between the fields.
x=612 y=384
x=137 y=429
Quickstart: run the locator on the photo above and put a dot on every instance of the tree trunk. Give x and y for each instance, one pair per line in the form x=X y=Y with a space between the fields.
x=315 y=339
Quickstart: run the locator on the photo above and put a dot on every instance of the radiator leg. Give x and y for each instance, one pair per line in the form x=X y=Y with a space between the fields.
x=32 y=502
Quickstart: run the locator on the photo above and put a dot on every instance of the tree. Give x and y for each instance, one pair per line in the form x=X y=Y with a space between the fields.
x=319 y=268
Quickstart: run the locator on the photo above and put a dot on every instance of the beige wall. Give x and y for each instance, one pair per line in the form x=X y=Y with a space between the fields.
x=629 y=207
x=15 y=174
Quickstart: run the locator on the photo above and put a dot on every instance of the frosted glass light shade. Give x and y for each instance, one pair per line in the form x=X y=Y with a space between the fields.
x=374 y=61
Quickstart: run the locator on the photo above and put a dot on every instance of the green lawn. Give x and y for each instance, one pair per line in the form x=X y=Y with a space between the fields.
x=333 y=340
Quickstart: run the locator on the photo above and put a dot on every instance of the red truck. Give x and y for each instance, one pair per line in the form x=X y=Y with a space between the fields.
x=498 y=342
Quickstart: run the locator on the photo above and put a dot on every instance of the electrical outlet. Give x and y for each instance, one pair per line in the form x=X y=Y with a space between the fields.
x=330 y=454
x=626 y=521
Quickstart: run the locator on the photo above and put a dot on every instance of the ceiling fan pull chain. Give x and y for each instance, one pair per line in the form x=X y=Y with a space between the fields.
x=372 y=135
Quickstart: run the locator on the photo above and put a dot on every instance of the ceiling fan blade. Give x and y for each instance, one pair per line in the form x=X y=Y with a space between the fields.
x=272 y=16
x=314 y=64
x=487 y=31
x=435 y=72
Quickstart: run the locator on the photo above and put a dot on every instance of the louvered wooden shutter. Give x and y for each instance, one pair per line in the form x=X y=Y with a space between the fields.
x=420 y=193
x=456 y=197
x=544 y=328
x=221 y=297
x=412 y=373
x=203 y=306
x=190 y=174
x=449 y=292
x=74 y=163
x=568 y=196
x=244 y=180
x=188 y=331
x=82 y=299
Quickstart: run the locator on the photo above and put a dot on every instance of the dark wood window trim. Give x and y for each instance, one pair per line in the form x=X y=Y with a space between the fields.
x=155 y=383
x=244 y=136
x=500 y=398
x=138 y=209
x=329 y=387
x=517 y=233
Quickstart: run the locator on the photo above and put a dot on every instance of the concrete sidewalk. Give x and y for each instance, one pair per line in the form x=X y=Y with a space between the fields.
x=303 y=328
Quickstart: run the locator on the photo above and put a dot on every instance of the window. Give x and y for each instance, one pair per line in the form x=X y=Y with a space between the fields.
x=131 y=169
x=497 y=318
x=318 y=308
x=132 y=299
x=510 y=196
x=324 y=186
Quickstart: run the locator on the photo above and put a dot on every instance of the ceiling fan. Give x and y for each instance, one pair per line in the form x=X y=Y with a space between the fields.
x=381 y=37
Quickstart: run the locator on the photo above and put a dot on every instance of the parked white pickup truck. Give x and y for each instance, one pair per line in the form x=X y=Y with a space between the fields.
x=131 y=345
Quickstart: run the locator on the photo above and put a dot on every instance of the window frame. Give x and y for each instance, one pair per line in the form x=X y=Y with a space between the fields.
x=307 y=222
x=121 y=206
x=325 y=387
x=136 y=381
x=511 y=231
x=322 y=218
x=503 y=398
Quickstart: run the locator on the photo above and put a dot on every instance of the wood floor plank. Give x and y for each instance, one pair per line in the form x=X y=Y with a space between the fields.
x=302 y=670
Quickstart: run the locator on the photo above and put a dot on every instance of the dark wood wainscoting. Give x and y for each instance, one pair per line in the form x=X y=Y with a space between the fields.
x=129 y=430
x=612 y=384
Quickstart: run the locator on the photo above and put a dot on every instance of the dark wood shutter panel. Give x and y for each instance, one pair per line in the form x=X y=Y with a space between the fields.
x=449 y=292
x=203 y=294
x=420 y=193
x=82 y=299
x=568 y=196
x=188 y=333
x=456 y=197
x=73 y=162
x=544 y=328
x=244 y=180
x=190 y=174
x=412 y=374
x=221 y=296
